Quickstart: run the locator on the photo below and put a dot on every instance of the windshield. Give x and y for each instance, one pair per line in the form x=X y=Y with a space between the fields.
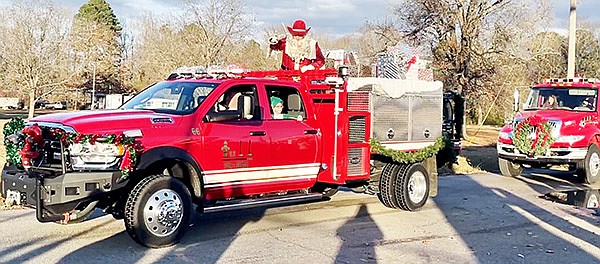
x=178 y=98
x=576 y=99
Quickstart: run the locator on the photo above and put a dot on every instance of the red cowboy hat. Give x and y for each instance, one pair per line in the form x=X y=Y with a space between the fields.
x=298 y=28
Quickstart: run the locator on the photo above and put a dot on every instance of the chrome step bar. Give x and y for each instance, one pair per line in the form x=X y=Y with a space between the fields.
x=245 y=204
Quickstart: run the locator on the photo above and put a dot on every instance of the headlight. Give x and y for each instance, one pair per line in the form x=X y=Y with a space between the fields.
x=504 y=135
x=569 y=139
x=96 y=153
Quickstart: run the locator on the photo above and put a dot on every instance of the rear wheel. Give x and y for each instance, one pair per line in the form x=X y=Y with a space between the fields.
x=413 y=187
x=404 y=186
x=509 y=168
x=157 y=211
x=589 y=170
x=387 y=185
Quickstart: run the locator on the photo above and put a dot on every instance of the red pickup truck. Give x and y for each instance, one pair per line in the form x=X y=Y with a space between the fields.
x=213 y=142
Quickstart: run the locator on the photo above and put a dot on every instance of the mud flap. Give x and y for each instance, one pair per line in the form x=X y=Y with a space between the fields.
x=431 y=167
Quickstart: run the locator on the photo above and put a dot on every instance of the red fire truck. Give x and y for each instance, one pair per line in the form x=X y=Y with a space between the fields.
x=212 y=141
x=559 y=125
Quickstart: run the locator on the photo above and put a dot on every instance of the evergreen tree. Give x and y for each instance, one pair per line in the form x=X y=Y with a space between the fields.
x=99 y=11
x=96 y=39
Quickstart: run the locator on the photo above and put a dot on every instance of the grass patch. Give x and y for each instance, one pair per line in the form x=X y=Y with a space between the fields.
x=463 y=166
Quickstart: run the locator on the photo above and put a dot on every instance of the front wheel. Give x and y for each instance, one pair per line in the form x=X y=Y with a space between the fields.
x=158 y=211
x=509 y=168
x=590 y=171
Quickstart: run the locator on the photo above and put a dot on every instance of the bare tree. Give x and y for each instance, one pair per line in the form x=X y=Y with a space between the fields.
x=97 y=55
x=473 y=42
x=210 y=32
x=215 y=26
x=34 y=47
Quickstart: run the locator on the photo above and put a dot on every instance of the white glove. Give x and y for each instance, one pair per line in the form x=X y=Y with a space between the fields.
x=307 y=68
x=273 y=40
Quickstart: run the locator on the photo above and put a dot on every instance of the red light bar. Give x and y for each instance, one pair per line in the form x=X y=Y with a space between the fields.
x=571 y=80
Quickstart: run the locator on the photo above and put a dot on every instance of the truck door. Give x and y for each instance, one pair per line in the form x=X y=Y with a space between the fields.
x=294 y=144
x=235 y=145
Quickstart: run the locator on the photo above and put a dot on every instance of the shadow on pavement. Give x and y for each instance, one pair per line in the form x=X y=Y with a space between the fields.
x=359 y=237
x=510 y=229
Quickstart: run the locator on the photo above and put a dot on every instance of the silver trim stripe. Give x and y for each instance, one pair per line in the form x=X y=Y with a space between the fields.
x=216 y=185
x=261 y=174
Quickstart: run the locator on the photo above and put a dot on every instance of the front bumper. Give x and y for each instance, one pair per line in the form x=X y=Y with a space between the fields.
x=64 y=192
x=554 y=156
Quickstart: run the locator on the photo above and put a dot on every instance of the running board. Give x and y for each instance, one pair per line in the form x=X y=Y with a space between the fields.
x=245 y=204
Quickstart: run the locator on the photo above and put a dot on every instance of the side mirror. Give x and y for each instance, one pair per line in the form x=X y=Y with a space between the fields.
x=516 y=102
x=343 y=72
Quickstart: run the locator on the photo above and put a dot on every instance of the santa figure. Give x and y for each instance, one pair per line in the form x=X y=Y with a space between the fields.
x=299 y=52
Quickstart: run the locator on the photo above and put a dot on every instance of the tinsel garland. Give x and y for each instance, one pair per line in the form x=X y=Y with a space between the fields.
x=539 y=145
x=15 y=125
x=409 y=157
x=131 y=146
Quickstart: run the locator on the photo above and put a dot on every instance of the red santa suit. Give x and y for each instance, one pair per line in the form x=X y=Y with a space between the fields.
x=299 y=53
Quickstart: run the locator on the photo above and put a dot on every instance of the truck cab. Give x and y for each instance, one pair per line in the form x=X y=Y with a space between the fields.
x=559 y=125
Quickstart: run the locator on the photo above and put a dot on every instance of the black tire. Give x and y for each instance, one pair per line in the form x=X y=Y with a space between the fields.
x=412 y=187
x=148 y=203
x=592 y=199
x=387 y=184
x=590 y=171
x=509 y=168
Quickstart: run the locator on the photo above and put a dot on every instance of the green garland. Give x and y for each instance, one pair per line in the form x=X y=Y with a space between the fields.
x=539 y=145
x=409 y=157
x=132 y=147
x=14 y=126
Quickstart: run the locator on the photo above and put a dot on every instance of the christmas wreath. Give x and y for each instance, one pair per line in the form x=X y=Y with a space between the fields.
x=532 y=136
x=409 y=157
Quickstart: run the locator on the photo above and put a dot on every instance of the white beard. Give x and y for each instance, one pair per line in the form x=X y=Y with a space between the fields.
x=299 y=49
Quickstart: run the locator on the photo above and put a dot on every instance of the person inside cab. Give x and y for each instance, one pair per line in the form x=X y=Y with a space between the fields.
x=277 y=108
x=588 y=103
x=551 y=102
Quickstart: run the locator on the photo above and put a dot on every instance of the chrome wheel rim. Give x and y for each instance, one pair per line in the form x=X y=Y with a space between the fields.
x=592 y=202
x=594 y=164
x=163 y=212
x=417 y=186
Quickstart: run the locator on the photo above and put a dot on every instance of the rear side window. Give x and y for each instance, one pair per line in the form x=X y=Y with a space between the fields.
x=285 y=102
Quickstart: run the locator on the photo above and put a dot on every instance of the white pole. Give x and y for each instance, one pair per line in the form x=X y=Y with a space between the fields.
x=572 y=29
x=93 y=86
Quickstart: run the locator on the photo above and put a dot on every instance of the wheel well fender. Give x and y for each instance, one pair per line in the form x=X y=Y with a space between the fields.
x=595 y=140
x=162 y=157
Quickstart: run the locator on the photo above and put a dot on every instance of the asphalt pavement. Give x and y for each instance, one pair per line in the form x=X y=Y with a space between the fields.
x=479 y=218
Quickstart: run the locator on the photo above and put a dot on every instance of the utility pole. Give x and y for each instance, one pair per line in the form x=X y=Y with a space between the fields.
x=93 y=86
x=572 y=29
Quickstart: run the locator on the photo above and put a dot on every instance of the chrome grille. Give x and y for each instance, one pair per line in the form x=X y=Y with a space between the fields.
x=357 y=130
x=556 y=125
x=358 y=101
x=355 y=161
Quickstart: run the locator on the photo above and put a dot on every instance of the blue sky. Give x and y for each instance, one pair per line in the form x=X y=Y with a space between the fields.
x=336 y=17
